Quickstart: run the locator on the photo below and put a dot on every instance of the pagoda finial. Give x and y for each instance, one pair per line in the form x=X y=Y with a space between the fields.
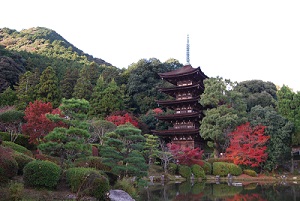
x=188 y=51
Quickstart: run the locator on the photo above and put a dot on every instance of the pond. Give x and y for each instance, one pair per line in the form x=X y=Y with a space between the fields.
x=188 y=191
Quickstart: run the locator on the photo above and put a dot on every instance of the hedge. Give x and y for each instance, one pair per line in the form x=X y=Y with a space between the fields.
x=41 y=174
x=198 y=171
x=8 y=165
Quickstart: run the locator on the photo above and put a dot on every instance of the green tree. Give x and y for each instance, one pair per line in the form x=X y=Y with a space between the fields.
x=110 y=100
x=8 y=97
x=142 y=83
x=48 y=90
x=280 y=131
x=25 y=90
x=288 y=105
x=98 y=128
x=123 y=148
x=84 y=86
x=225 y=110
x=69 y=143
x=96 y=107
x=68 y=82
x=151 y=148
x=257 y=92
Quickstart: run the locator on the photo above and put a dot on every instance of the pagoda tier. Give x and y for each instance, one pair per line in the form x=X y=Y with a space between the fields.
x=184 y=105
x=188 y=89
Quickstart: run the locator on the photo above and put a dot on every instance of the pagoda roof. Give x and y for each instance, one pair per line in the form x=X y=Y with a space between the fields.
x=178 y=116
x=185 y=70
x=176 y=132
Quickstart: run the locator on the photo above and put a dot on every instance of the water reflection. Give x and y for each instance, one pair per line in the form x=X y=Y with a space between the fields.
x=221 y=192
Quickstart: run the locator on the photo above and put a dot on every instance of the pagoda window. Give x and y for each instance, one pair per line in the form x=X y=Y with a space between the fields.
x=184 y=83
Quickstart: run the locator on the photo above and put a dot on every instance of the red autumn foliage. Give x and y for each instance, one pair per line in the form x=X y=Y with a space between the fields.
x=248 y=145
x=122 y=118
x=186 y=156
x=37 y=125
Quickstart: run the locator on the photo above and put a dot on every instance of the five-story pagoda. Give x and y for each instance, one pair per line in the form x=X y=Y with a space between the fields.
x=187 y=87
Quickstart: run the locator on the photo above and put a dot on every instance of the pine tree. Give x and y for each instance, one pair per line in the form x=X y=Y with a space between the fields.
x=69 y=143
x=48 y=90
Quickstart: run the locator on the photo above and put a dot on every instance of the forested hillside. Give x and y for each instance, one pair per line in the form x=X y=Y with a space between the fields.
x=38 y=48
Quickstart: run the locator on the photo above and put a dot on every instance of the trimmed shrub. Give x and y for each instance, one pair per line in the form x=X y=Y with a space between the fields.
x=11 y=116
x=249 y=172
x=220 y=168
x=87 y=181
x=185 y=171
x=207 y=168
x=41 y=174
x=234 y=169
x=172 y=168
x=22 y=160
x=92 y=162
x=198 y=171
x=17 y=148
x=8 y=165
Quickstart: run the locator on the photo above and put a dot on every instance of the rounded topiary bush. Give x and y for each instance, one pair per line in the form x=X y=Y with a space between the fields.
x=220 y=168
x=198 y=171
x=172 y=168
x=22 y=160
x=207 y=167
x=8 y=165
x=234 y=169
x=39 y=173
x=87 y=181
x=249 y=172
x=185 y=171
x=17 y=148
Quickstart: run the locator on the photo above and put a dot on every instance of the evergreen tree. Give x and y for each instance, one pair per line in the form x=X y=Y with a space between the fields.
x=95 y=109
x=68 y=83
x=26 y=89
x=8 y=97
x=111 y=100
x=288 y=105
x=69 y=143
x=122 y=151
x=48 y=90
x=83 y=88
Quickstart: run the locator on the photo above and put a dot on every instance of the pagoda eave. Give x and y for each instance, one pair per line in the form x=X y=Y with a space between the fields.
x=178 y=116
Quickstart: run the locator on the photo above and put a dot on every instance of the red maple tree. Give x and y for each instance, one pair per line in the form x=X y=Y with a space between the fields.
x=186 y=155
x=37 y=125
x=122 y=118
x=248 y=145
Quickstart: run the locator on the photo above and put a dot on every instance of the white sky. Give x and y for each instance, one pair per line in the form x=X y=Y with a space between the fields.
x=235 y=39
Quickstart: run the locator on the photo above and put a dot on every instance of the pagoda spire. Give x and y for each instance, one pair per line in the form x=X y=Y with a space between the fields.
x=188 y=51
